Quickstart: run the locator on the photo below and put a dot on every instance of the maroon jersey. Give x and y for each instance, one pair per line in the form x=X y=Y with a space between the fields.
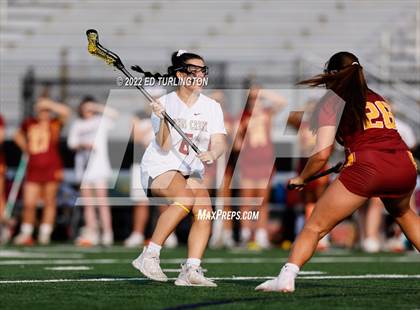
x=42 y=142
x=379 y=132
x=256 y=157
x=2 y=159
x=378 y=163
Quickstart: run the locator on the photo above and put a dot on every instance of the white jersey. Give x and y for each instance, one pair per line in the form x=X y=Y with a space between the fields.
x=199 y=122
x=91 y=166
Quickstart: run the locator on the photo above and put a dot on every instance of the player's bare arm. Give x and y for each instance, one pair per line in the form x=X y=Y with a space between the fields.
x=218 y=147
x=163 y=136
x=20 y=141
x=61 y=109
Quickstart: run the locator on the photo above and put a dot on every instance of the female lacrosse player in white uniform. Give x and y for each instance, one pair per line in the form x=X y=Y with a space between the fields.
x=171 y=170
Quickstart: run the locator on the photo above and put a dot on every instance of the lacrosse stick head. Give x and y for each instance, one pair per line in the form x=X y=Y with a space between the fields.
x=96 y=49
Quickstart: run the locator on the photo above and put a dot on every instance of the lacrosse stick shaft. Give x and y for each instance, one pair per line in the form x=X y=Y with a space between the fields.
x=17 y=182
x=334 y=169
x=165 y=115
x=96 y=49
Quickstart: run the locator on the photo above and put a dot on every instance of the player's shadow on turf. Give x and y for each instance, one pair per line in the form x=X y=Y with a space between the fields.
x=253 y=283
x=216 y=303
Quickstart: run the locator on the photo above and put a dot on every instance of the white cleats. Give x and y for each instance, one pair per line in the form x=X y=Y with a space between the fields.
x=171 y=242
x=261 y=238
x=5 y=234
x=44 y=238
x=87 y=238
x=193 y=276
x=223 y=240
x=23 y=239
x=44 y=234
x=107 y=238
x=149 y=265
x=135 y=240
x=284 y=282
x=371 y=245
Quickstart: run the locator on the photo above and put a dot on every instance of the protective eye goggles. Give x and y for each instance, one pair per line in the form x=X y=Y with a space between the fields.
x=193 y=69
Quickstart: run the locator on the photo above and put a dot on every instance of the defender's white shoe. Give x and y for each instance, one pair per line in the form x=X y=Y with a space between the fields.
x=193 y=276
x=284 y=282
x=148 y=264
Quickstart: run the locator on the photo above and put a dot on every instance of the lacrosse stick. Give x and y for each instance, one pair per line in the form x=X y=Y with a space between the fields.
x=96 y=49
x=335 y=169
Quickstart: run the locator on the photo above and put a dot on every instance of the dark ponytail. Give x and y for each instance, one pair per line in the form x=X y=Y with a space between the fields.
x=178 y=60
x=343 y=75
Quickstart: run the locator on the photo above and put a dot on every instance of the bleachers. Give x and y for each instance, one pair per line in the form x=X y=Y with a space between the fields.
x=252 y=37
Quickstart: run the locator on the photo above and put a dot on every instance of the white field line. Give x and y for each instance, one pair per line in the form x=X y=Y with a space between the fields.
x=300 y=272
x=367 y=276
x=123 y=249
x=322 y=260
x=67 y=268
x=177 y=270
x=75 y=249
x=330 y=252
x=60 y=249
x=22 y=254
x=215 y=260
x=64 y=262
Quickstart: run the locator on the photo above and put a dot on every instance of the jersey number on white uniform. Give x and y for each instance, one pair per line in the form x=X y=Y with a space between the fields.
x=184 y=148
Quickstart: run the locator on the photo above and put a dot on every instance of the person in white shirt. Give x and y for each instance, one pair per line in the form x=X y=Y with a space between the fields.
x=88 y=136
x=172 y=170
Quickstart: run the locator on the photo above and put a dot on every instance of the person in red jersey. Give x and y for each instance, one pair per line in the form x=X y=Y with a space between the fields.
x=2 y=170
x=256 y=159
x=379 y=163
x=39 y=137
x=307 y=140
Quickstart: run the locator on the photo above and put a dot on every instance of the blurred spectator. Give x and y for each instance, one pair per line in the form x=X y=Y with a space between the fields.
x=256 y=159
x=222 y=232
x=88 y=136
x=39 y=136
x=3 y=230
x=142 y=136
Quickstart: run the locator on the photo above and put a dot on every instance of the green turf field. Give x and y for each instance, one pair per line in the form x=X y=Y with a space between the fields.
x=106 y=280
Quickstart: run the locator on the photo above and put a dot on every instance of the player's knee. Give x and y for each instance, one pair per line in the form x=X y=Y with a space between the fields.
x=317 y=227
x=186 y=198
x=202 y=214
x=202 y=209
